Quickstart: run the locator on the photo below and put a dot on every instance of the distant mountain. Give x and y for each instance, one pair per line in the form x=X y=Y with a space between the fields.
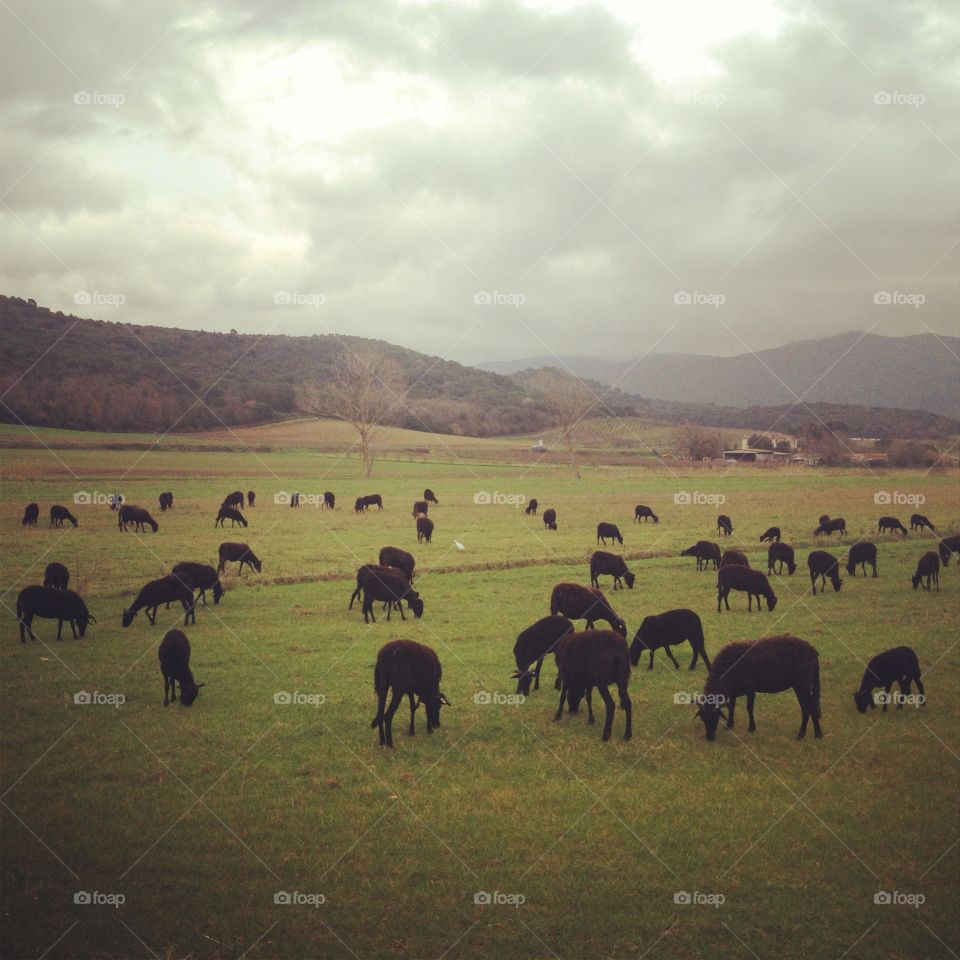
x=919 y=372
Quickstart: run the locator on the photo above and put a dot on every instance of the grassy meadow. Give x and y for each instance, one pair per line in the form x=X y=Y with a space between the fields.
x=198 y=818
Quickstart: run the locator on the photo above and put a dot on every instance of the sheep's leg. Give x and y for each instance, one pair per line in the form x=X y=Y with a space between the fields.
x=669 y=653
x=413 y=710
x=152 y=619
x=916 y=680
x=650 y=664
x=627 y=707
x=59 y=629
x=388 y=716
x=536 y=675
x=73 y=629
x=805 y=711
x=589 y=696
x=563 y=699
x=730 y=709
x=751 y=697
x=611 y=707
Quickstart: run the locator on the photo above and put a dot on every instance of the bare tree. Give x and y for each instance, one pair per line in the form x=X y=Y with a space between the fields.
x=569 y=401
x=367 y=390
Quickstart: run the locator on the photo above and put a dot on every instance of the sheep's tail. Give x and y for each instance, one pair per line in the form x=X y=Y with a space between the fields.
x=816 y=689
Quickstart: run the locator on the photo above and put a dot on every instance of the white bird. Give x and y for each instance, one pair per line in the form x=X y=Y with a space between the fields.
x=459 y=545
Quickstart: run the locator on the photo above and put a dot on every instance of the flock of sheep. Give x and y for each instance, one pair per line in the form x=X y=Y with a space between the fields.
x=587 y=660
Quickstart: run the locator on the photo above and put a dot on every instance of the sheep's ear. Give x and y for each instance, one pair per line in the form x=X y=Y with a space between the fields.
x=199 y=685
x=91 y=618
x=443 y=700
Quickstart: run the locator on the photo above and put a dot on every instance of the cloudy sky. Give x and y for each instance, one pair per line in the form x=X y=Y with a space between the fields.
x=487 y=179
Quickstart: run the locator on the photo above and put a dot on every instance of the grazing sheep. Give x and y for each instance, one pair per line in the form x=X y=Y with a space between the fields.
x=862 y=553
x=424 y=529
x=408 y=669
x=724 y=525
x=166 y=502
x=770 y=535
x=735 y=557
x=395 y=557
x=203 y=577
x=919 y=522
x=56 y=576
x=175 y=666
x=781 y=553
x=359 y=506
x=642 y=512
x=429 y=496
x=49 y=604
x=899 y=665
x=237 y=552
x=58 y=514
x=831 y=526
x=751 y=582
x=550 y=519
x=665 y=630
x=705 y=551
x=369 y=570
x=928 y=566
x=822 y=564
x=30 y=515
x=116 y=501
x=419 y=507
x=947 y=547
x=609 y=564
x=534 y=644
x=177 y=587
x=373 y=499
x=595 y=658
x=329 y=500
x=768 y=665
x=532 y=506
x=251 y=497
x=890 y=524
x=390 y=586
x=139 y=517
x=609 y=531
x=234 y=516
x=584 y=603
x=234 y=499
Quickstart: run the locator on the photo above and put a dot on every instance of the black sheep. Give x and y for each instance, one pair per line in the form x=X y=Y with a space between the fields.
x=928 y=566
x=735 y=557
x=166 y=502
x=891 y=524
x=359 y=505
x=665 y=630
x=643 y=512
x=58 y=514
x=167 y=589
x=203 y=577
x=770 y=535
x=724 y=525
x=550 y=519
x=408 y=669
x=595 y=658
x=781 y=553
x=373 y=499
x=919 y=522
x=822 y=564
x=429 y=496
x=50 y=604
x=424 y=529
x=175 y=667
x=251 y=497
x=899 y=665
x=831 y=526
x=139 y=517
x=705 y=551
x=30 y=515
x=419 y=508
x=609 y=564
x=532 y=506
x=390 y=586
x=584 y=603
x=769 y=665
x=751 y=582
x=56 y=576
x=369 y=570
x=234 y=516
x=947 y=547
x=237 y=553
x=329 y=500
x=608 y=531
x=234 y=499
x=862 y=553
x=401 y=559
x=534 y=644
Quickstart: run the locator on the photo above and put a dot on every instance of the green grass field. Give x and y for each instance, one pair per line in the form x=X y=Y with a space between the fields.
x=199 y=817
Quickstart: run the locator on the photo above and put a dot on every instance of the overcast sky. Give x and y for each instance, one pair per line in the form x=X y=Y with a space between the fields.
x=613 y=177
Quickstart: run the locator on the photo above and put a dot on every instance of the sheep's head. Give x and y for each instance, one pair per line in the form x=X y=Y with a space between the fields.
x=863 y=699
x=256 y=563
x=83 y=620
x=433 y=705
x=837 y=582
x=915 y=580
x=217 y=590
x=620 y=626
x=630 y=578
x=524 y=679
x=710 y=714
x=638 y=645
x=128 y=616
x=771 y=601
x=415 y=604
x=189 y=693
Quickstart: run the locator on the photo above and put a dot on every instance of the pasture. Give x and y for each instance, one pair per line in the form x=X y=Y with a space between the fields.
x=273 y=781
